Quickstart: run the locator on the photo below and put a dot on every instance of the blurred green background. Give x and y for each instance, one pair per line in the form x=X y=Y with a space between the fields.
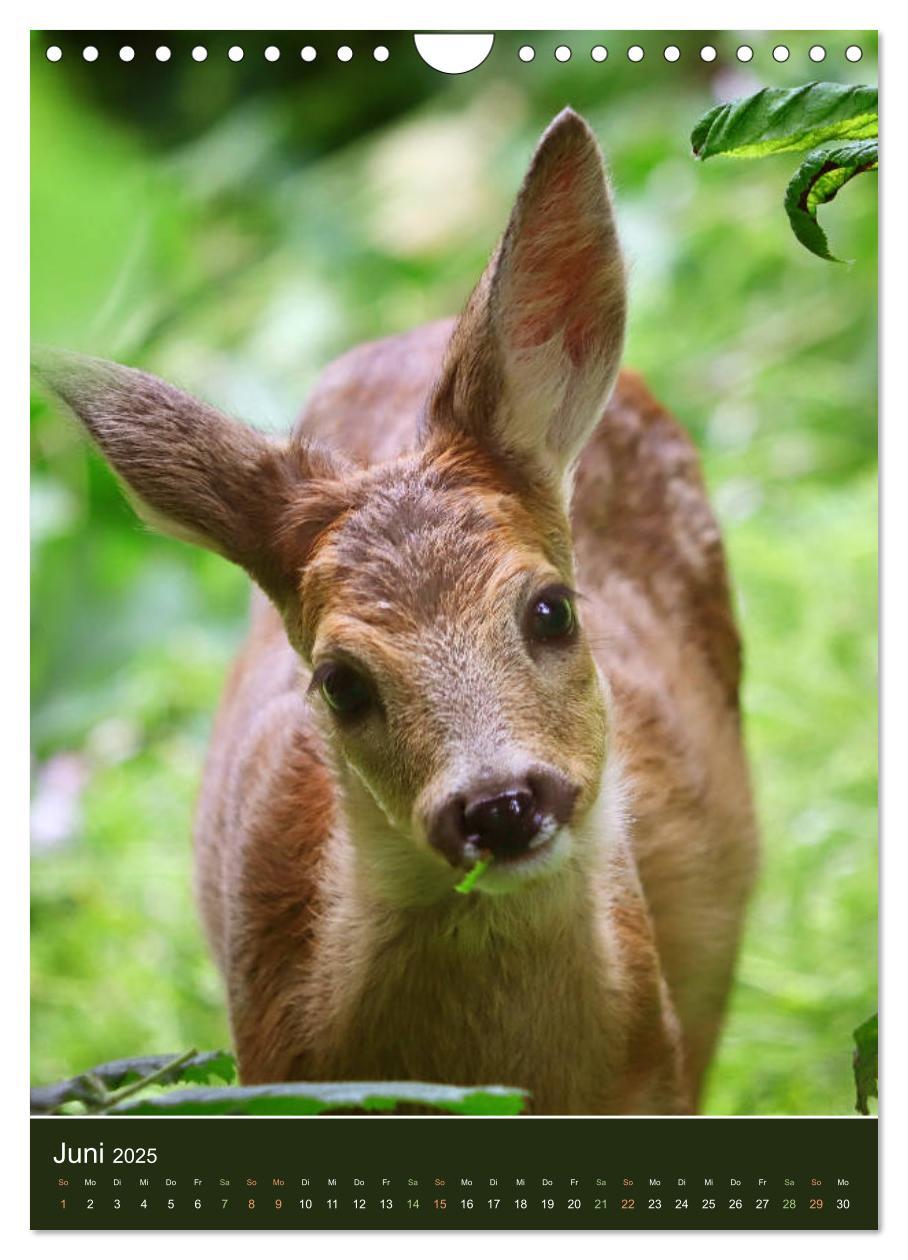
x=232 y=226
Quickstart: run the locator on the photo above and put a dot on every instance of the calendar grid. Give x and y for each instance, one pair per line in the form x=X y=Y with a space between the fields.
x=438 y=1173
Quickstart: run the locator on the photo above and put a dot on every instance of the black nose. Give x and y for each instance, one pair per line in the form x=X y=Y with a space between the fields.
x=501 y=824
x=501 y=818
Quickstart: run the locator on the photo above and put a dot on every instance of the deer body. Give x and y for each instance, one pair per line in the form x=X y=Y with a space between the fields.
x=419 y=691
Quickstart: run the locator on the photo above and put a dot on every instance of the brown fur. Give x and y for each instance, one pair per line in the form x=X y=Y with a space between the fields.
x=404 y=527
x=650 y=567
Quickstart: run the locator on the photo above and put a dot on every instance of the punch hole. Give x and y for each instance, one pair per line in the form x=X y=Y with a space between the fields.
x=854 y=52
x=745 y=53
x=672 y=52
x=707 y=53
x=817 y=53
x=90 y=53
x=780 y=53
x=380 y=53
x=199 y=53
x=54 y=53
x=562 y=53
x=308 y=53
x=526 y=53
x=635 y=53
x=599 y=53
x=235 y=53
x=162 y=53
x=345 y=53
x=272 y=53
x=454 y=54
x=127 y=53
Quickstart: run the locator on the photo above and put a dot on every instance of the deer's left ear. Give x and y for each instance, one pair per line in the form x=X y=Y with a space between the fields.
x=536 y=352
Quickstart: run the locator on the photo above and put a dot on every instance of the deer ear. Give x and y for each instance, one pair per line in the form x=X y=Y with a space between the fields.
x=536 y=352
x=189 y=471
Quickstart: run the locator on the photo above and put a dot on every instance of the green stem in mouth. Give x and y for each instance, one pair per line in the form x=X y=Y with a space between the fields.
x=474 y=874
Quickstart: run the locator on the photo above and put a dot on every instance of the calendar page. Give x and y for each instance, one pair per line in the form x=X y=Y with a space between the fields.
x=454 y=650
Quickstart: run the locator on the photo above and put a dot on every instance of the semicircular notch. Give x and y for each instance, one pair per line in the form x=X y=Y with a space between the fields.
x=454 y=54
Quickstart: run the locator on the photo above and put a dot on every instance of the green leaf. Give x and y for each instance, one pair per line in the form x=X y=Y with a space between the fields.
x=215 y=1065
x=305 y=1099
x=89 y=1088
x=473 y=875
x=785 y=120
x=865 y=1064
x=817 y=180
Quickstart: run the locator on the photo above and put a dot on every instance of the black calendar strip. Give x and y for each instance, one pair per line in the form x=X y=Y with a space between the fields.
x=440 y=1173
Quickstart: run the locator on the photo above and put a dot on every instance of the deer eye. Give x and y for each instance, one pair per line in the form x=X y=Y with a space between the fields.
x=552 y=616
x=344 y=689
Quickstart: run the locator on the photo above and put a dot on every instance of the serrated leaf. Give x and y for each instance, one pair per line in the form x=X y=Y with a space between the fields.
x=88 y=1087
x=865 y=1062
x=786 y=120
x=216 y=1065
x=817 y=180
x=306 y=1099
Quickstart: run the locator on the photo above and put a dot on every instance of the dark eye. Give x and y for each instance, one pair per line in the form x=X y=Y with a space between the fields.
x=344 y=689
x=552 y=616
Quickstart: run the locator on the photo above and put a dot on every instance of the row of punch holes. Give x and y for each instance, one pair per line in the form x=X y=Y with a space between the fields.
x=526 y=53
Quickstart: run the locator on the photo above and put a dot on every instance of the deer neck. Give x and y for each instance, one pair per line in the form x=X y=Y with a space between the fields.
x=398 y=961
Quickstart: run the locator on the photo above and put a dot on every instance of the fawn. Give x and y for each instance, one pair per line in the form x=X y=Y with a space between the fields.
x=497 y=626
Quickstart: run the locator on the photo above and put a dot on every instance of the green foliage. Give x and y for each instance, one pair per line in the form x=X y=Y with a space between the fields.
x=866 y=1072
x=817 y=180
x=473 y=875
x=141 y=1087
x=240 y=258
x=786 y=120
x=313 y=1100
x=839 y=123
x=101 y=1087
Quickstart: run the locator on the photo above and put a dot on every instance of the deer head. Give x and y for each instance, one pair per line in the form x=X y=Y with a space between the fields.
x=430 y=598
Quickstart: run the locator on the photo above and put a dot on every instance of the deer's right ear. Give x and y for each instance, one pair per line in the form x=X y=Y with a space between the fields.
x=534 y=356
x=189 y=471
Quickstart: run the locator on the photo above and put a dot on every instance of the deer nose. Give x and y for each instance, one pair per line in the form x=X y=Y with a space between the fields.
x=501 y=818
x=502 y=824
